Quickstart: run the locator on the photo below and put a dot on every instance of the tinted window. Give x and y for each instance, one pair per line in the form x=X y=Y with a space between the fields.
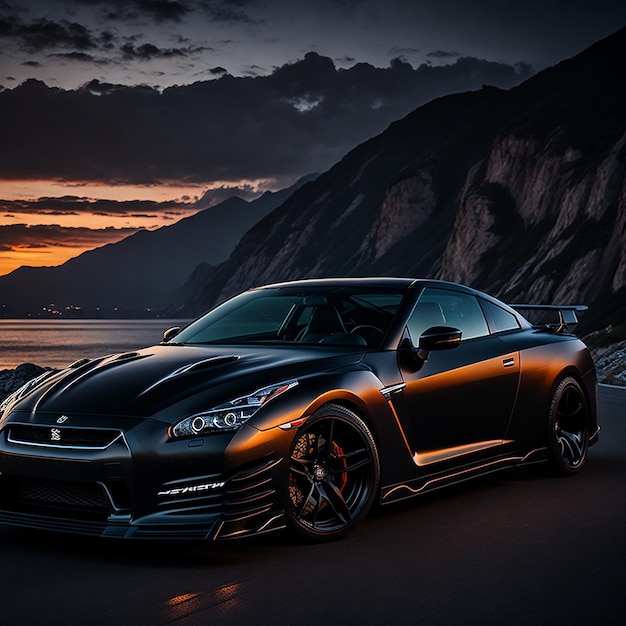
x=441 y=307
x=499 y=319
x=337 y=315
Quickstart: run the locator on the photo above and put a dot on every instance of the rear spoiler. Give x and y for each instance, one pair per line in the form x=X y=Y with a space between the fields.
x=559 y=319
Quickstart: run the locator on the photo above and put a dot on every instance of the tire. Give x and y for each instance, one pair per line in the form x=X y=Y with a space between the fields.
x=334 y=473
x=568 y=428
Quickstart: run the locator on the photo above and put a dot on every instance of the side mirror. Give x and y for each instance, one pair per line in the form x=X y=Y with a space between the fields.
x=437 y=338
x=170 y=333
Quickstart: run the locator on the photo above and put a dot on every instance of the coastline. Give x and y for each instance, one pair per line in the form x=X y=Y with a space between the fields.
x=12 y=380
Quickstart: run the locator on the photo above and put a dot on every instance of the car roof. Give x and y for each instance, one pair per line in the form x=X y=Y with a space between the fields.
x=374 y=281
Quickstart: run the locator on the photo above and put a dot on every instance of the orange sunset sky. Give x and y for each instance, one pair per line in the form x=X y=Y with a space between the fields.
x=48 y=237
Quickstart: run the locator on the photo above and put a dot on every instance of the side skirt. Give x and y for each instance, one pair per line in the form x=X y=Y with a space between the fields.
x=417 y=486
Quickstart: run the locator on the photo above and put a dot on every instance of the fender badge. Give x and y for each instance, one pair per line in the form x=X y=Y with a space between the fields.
x=62 y=419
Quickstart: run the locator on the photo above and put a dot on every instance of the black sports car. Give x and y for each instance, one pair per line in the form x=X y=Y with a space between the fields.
x=297 y=405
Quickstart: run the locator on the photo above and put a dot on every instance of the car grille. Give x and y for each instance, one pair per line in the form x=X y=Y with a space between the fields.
x=62 y=494
x=53 y=498
x=62 y=437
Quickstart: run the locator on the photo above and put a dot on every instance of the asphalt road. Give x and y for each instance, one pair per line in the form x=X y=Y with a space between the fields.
x=509 y=549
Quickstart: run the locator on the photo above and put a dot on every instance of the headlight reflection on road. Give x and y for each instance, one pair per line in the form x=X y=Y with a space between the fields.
x=223 y=598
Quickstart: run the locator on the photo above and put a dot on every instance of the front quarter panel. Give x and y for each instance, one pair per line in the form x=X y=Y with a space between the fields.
x=275 y=427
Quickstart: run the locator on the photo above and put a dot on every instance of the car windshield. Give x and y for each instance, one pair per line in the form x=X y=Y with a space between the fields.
x=336 y=315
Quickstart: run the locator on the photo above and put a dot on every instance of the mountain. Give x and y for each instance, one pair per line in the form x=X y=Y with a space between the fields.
x=141 y=271
x=520 y=193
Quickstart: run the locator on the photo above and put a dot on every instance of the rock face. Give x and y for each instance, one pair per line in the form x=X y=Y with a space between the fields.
x=564 y=211
x=12 y=380
x=407 y=206
x=520 y=193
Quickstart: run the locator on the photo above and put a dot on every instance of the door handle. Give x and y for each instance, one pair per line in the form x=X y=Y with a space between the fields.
x=508 y=362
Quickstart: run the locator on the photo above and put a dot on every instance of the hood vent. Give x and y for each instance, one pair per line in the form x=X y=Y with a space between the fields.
x=191 y=368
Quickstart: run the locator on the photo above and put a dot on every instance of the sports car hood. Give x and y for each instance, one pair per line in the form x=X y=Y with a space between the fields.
x=147 y=382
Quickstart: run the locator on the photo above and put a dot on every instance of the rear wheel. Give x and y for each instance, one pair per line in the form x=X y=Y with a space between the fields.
x=568 y=428
x=334 y=472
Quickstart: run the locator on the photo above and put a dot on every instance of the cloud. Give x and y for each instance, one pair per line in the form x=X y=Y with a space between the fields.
x=20 y=236
x=72 y=205
x=157 y=10
x=226 y=11
x=81 y=57
x=301 y=118
x=94 y=44
x=162 y=10
x=442 y=54
x=148 y=51
x=43 y=34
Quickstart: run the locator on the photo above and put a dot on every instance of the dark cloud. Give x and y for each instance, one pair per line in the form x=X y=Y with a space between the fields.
x=46 y=35
x=148 y=51
x=81 y=57
x=20 y=236
x=228 y=11
x=301 y=118
x=404 y=51
x=162 y=10
x=442 y=54
x=157 y=10
x=43 y=34
x=56 y=213
x=72 y=205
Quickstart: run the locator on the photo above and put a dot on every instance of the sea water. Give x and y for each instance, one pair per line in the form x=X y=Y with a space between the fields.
x=57 y=343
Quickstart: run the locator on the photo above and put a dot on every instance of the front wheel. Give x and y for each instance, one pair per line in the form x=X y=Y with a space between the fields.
x=334 y=472
x=568 y=428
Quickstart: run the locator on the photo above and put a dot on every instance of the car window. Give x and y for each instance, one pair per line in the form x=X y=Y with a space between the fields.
x=443 y=307
x=346 y=316
x=499 y=319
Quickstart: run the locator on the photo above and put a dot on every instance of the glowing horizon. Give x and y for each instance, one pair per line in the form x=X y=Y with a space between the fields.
x=37 y=235
x=172 y=191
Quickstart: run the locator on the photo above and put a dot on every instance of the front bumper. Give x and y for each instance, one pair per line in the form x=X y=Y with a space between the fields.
x=132 y=482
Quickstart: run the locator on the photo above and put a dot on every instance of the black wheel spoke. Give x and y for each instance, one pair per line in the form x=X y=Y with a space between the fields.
x=300 y=466
x=351 y=466
x=333 y=496
x=571 y=445
x=305 y=502
x=325 y=445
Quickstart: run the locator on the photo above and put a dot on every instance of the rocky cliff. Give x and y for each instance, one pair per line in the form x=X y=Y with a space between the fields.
x=520 y=193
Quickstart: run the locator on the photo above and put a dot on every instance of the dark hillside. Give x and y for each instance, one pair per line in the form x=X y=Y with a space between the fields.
x=520 y=192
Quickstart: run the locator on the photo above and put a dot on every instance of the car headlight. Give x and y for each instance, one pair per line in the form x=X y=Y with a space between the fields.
x=23 y=391
x=230 y=415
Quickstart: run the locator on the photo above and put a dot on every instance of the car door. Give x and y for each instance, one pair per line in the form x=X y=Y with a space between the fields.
x=459 y=400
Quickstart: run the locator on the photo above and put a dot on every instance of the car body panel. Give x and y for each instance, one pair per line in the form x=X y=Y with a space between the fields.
x=92 y=449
